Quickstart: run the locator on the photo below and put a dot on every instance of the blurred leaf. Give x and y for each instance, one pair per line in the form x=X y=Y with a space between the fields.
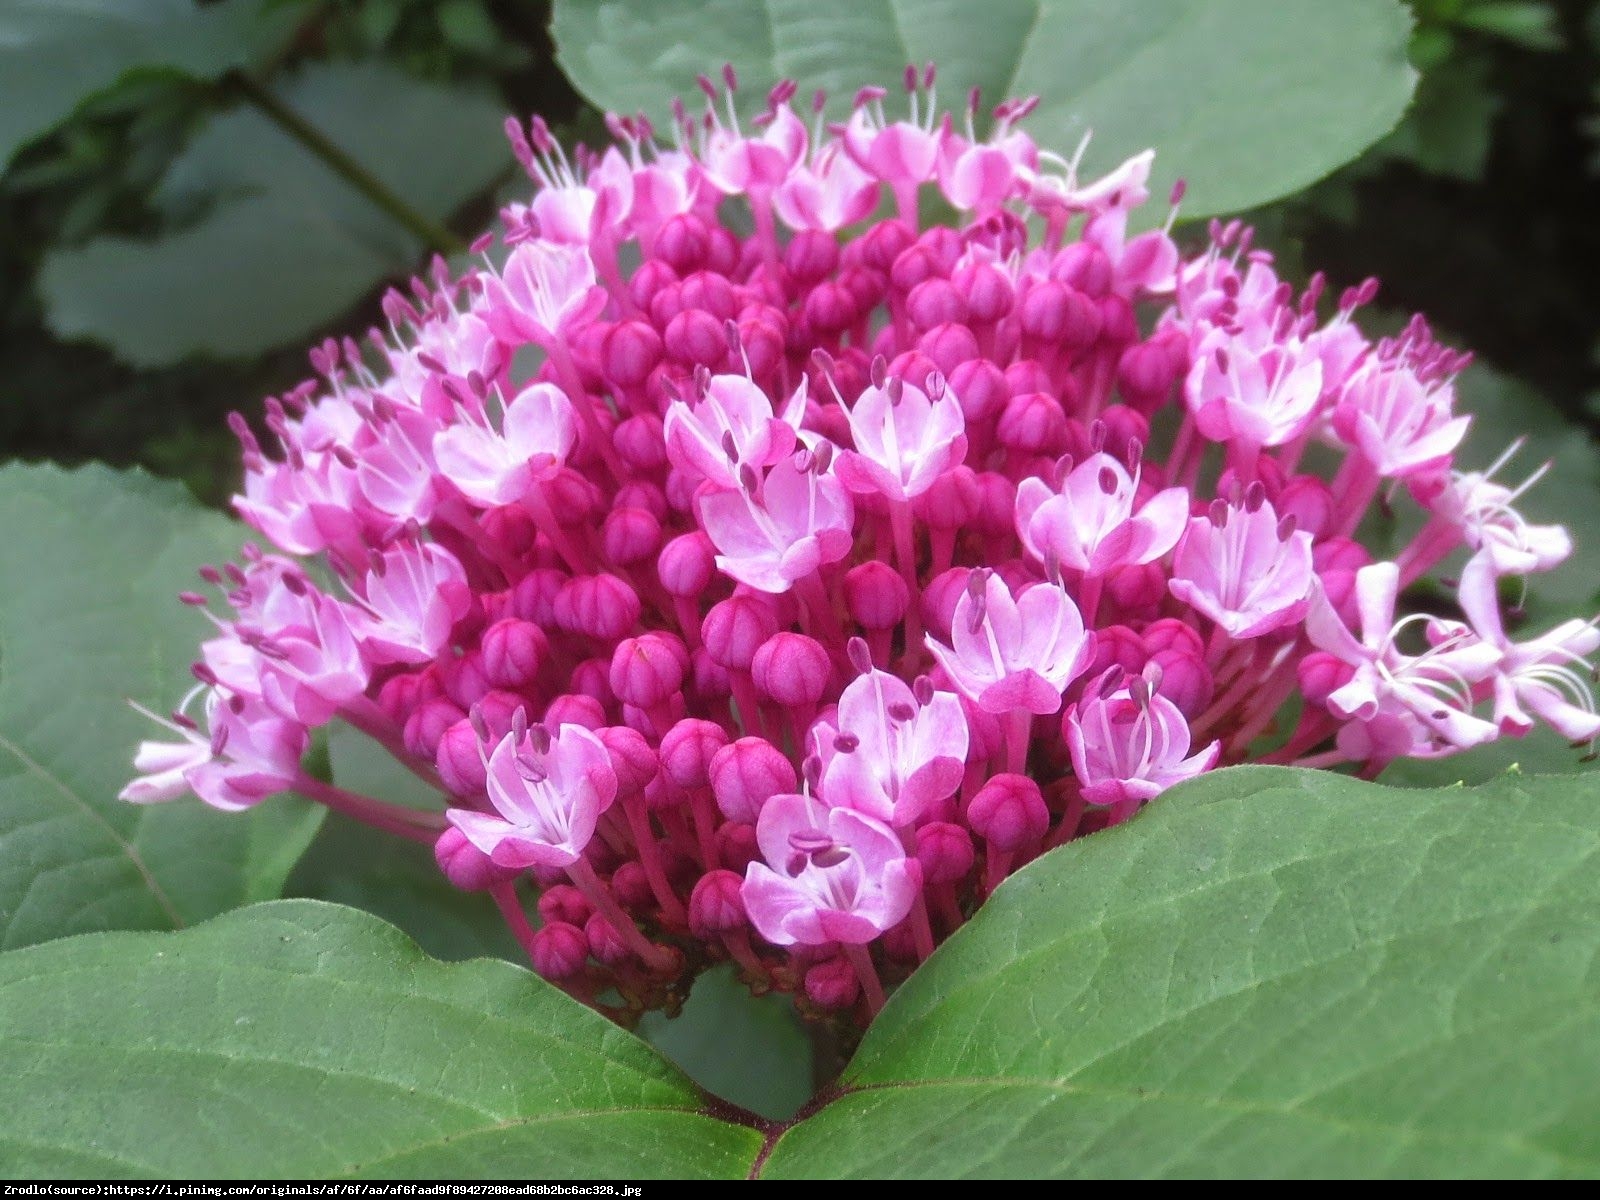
x=91 y=561
x=55 y=54
x=284 y=245
x=1247 y=101
x=1448 y=127
x=467 y=26
x=1530 y=24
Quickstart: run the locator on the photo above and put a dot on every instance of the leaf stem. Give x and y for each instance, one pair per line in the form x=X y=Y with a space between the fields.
x=435 y=236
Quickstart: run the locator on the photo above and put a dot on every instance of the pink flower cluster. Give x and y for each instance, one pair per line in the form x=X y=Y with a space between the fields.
x=767 y=574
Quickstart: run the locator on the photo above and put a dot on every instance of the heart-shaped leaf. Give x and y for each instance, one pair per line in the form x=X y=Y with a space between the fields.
x=299 y=1039
x=1247 y=101
x=90 y=565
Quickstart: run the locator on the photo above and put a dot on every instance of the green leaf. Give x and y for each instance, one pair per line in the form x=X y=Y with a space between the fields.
x=302 y=1040
x=750 y=1050
x=55 y=54
x=282 y=245
x=1270 y=973
x=1531 y=24
x=91 y=561
x=1247 y=101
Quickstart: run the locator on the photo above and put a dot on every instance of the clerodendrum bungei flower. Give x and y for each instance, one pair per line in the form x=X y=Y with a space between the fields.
x=764 y=578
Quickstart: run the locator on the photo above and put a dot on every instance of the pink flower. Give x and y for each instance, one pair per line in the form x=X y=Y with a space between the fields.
x=730 y=426
x=548 y=791
x=769 y=536
x=250 y=754
x=495 y=467
x=1423 y=700
x=414 y=595
x=1243 y=567
x=905 y=438
x=1008 y=654
x=544 y=289
x=1484 y=513
x=827 y=195
x=900 y=153
x=831 y=875
x=1258 y=395
x=1096 y=523
x=1129 y=742
x=1399 y=424
x=894 y=756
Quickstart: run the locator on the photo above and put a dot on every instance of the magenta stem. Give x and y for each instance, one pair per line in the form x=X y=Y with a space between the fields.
x=861 y=959
x=582 y=874
x=649 y=851
x=505 y=899
x=423 y=827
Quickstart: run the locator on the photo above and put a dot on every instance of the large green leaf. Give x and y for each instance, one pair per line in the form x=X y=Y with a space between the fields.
x=282 y=245
x=54 y=54
x=1270 y=973
x=300 y=1039
x=90 y=563
x=1247 y=101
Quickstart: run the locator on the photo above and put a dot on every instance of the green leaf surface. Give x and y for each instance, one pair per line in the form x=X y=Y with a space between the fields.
x=1270 y=973
x=1247 y=101
x=90 y=565
x=276 y=244
x=298 y=1040
x=55 y=54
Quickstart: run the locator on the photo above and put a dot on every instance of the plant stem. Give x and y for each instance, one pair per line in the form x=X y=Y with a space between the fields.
x=435 y=236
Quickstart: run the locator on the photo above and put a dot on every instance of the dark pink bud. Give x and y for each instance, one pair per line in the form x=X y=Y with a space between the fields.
x=1057 y=315
x=598 y=606
x=1169 y=633
x=945 y=852
x=1321 y=674
x=996 y=512
x=792 y=668
x=632 y=758
x=467 y=867
x=696 y=338
x=575 y=710
x=687 y=750
x=734 y=629
x=1085 y=267
x=1309 y=501
x=832 y=984
x=987 y=290
x=747 y=773
x=639 y=442
x=534 y=597
x=631 y=886
x=939 y=600
x=464 y=680
x=592 y=677
x=652 y=276
x=398 y=696
x=952 y=500
x=687 y=564
x=648 y=669
x=710 y=293
x=711 y=681
x=883 y=243
x=763 y=343
x=629 y=353
x=510 y=528
x=722 y=251
x=513 y=651
x=1009 y=812
x=457 y=760
x=682 y=243
x=643 y=495
x=1033 y=423
x=981 y=389
x=630 y=535
x=1185 y=680
x=1117 y=646
x=830 y=308
x=716 y=905
x=913 y=266
x=1146 y=374
x=935 y=302
x=605 y=943
x=1138 y=589
x=736 y=844
x=948 y=346
x=810 y=256
x=559 y=951
x=563 y=902
x=875 y=595
x=427 y=724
